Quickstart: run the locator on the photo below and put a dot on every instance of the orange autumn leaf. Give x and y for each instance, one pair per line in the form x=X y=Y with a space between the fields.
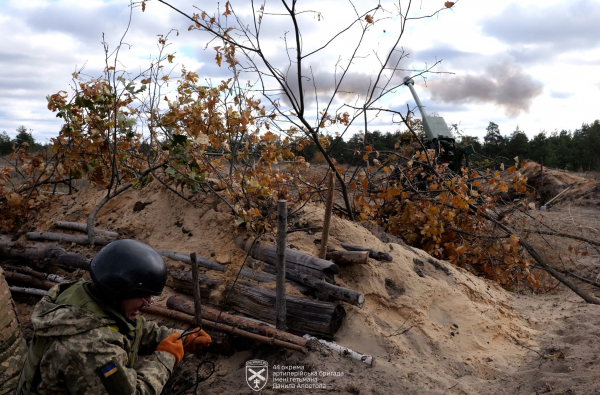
x=449 y=4
x=369 y=18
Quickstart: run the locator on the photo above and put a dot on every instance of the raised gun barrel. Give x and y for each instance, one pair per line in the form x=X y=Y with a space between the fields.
x=435 y=127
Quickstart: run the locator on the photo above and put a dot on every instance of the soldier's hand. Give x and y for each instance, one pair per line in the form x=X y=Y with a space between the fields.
x=173 y=345
x=196 y=339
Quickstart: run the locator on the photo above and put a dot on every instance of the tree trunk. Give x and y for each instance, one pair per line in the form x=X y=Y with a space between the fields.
x=327 y=219
x=293 y=259
x=348 y=258
x=221 y=328
x=375 y=254
x=303 y=315
x=211 y=314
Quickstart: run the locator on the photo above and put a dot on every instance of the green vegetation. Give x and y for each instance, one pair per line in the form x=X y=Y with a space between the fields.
x=23 y=136
x=563 y=150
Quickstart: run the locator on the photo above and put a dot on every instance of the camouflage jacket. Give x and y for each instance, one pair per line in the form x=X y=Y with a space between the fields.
x=90 y=348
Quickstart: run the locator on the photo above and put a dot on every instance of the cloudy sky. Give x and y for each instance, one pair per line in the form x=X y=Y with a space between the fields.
x=528 y=63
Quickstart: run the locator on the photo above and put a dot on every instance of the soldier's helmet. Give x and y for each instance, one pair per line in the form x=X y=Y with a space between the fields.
x=126 y=269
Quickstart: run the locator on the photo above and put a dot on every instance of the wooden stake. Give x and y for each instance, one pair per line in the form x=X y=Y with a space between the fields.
x=195 y=281
x=327 y=220
x=280 y=281
x=197 y=303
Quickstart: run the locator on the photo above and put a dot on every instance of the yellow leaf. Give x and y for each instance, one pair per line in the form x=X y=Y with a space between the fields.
x=369 y=18
x=503 y=187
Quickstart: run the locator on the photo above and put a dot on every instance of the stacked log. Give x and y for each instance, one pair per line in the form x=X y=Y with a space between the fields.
x=303 y=315
x=296 y=260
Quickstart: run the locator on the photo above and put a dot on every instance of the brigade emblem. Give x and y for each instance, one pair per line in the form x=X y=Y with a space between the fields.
x=257 y=374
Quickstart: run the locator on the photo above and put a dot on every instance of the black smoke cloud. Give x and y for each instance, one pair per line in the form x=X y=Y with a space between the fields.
x=504 y=84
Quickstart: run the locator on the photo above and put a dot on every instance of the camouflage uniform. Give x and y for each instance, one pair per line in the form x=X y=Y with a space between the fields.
x=82 y=345
x=12 y=345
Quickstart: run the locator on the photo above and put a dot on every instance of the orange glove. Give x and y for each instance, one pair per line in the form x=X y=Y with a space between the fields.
x=196 y=339
x=173 y=345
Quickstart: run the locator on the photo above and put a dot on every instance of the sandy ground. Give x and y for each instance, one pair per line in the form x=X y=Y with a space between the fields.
x=432 y=328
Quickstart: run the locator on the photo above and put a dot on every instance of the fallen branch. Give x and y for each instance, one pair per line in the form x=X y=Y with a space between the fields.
x=66 y=238
x=585 y=280
x=222 y=328
x=83 y=228
x=209 y=313
x=375 y=254
x=566 y=235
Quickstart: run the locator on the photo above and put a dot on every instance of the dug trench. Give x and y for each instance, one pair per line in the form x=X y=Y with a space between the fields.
x=431 y=327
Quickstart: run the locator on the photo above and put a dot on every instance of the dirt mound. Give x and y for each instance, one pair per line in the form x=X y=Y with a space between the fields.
x=427 y=323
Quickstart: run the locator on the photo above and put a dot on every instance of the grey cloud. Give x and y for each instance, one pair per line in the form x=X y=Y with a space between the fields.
x=503 y=84
x=564 y=26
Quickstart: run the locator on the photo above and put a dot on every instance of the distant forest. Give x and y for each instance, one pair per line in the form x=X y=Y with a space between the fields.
x=567 y=150
x=575 y=150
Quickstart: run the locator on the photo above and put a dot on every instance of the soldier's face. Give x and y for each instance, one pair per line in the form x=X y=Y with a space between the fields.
x=131 y=307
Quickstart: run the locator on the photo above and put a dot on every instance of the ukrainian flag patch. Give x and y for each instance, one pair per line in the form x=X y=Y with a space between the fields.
x=110 y=369
x=113 y=377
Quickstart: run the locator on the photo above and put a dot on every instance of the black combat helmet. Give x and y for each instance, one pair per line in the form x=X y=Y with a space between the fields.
x=127 y=269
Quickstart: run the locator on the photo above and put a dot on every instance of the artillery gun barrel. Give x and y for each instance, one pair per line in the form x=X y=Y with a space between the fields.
x=409 y=82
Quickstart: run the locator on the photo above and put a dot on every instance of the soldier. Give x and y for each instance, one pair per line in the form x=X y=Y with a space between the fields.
x=88 y=334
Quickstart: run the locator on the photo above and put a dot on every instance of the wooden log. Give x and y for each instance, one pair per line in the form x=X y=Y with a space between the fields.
x=28 y=291
x=83 y=228
x=303 y=315
x=222 y=328
x=36 y=274
x=280 y=302
x=52 y=236
x=41 y=252
x=293 y=259
x=24 y=279
x=211 y=314
x=375 y=254
x=327 y=219
x=348 y=258
x=212 y=265
x=339 y=293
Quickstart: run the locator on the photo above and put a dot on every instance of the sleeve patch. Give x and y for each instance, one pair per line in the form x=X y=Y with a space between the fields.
x=114 y=379
x=110 y=369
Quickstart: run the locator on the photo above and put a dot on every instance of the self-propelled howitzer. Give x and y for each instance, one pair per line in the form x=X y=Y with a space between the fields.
x=440 y=138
